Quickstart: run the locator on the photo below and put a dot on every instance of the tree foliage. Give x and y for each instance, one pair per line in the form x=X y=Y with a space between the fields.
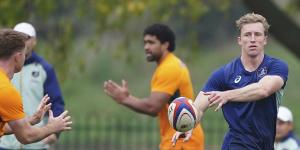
x=62 y=23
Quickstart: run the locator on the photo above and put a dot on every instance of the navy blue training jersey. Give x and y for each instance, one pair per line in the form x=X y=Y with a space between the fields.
x=252 y=125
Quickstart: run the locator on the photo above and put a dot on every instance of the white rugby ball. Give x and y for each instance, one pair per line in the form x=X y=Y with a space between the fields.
x=182 y=114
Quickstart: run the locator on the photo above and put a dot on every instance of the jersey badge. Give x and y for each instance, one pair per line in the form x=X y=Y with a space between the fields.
x=262 y=72
x=35 y=74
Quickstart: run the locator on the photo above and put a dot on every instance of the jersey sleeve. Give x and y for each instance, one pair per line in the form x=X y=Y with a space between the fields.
x=279 y=68
x=216 y=81
x=166 y=80
x=11 y=107
x=51 y=87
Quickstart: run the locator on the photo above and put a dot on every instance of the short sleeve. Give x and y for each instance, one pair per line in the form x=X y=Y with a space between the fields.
x=166 y=80
x=216 y=81
x=279 y=68
x=11 y=107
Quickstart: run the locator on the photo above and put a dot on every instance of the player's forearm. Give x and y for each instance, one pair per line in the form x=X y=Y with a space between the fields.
x=35 y=134
x=140 y=106
x=32 y=120
x=252 y=92
x=201 y=103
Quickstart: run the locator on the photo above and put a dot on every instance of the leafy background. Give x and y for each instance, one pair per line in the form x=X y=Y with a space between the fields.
x=90 y=41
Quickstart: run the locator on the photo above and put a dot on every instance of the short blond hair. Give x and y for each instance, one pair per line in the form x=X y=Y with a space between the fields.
x=252 y=18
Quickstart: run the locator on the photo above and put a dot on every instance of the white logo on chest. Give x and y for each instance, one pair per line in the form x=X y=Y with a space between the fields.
x=262 y=72
x=237 y=79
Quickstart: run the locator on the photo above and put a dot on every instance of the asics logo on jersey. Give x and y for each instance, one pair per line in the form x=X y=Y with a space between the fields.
x=237 y=79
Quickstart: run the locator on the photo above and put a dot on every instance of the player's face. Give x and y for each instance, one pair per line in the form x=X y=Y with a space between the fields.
x=30 y=43
x=282 y=129
x=19 y=60
x=153 y=48
x=252 y=39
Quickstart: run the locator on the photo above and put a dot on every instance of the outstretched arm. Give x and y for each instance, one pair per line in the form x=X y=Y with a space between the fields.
x=36 y=117
x=201 y=103
x=43 y=107
x=26 y=133
x=150 y=106
x=256 y=91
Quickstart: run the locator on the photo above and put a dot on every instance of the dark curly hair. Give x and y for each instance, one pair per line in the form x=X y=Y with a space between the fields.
x=163 y=34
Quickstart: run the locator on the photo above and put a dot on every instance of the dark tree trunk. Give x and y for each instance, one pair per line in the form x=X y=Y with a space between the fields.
x=282 y=28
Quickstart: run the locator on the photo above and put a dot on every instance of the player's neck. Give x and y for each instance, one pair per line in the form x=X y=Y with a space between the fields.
x=163 y=56
x=7 y=69
x=252 y=63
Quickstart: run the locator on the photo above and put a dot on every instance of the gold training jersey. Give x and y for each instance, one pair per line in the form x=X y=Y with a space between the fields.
x=11 y=106
x=172 y=77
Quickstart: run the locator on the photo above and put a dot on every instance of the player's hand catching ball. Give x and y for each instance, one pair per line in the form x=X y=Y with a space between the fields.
x=60 y=123
x=186 y=135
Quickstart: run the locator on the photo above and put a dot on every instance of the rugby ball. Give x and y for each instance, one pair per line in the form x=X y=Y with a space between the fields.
x=182 y=114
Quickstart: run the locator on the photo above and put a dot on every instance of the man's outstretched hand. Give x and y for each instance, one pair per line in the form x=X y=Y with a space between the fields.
x=43 y=107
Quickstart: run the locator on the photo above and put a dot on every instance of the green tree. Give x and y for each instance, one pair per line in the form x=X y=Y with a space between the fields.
x=61 y=23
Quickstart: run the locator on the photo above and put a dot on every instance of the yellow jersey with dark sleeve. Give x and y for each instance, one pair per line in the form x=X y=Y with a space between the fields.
x=11 y=106
x=172 y=77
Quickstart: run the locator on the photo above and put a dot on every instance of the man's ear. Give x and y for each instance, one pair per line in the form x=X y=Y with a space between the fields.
x=266 y=40
x=34 y=42
x=238 y=39
x=166 y=45
x=17 y=56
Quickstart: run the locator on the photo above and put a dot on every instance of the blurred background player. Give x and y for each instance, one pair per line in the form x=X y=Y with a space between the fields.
x=36 y=79
x=285 y=138
x=170 y=80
